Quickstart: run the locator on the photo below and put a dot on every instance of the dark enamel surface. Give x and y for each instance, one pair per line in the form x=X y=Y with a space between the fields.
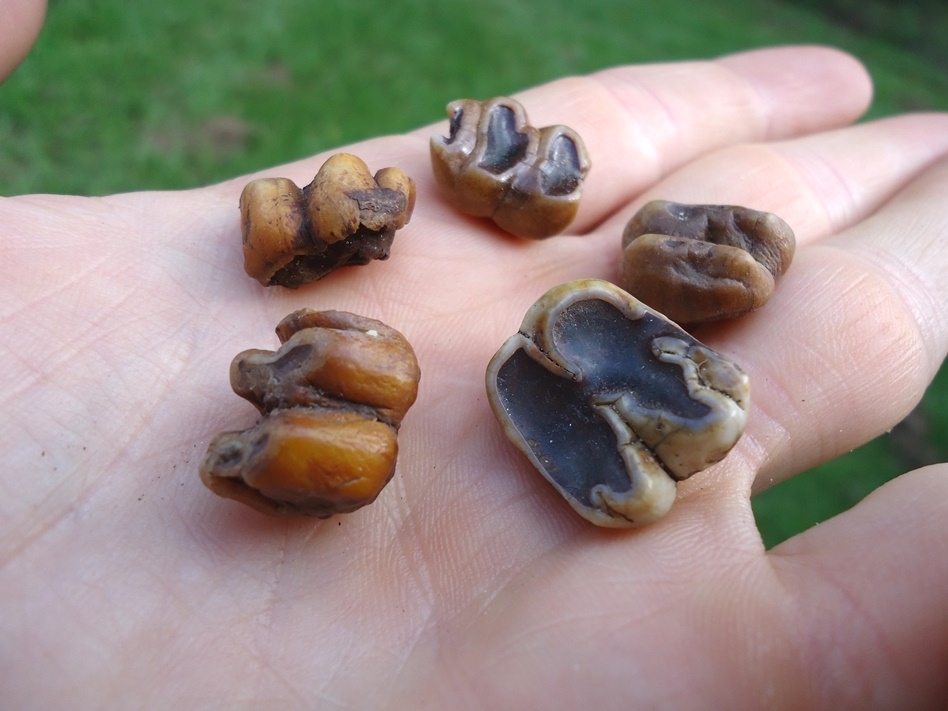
x=586 y=388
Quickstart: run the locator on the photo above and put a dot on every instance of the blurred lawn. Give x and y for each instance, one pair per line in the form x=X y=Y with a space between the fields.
x=126 y=95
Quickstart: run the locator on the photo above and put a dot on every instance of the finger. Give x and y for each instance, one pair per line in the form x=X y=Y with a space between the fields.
x=852 y=337
x=641 y=122
x=819 y=184
x=855 y=331
x=20 y=23
x=870 y=590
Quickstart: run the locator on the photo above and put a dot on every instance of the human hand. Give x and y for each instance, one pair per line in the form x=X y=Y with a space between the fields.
x=469 y=581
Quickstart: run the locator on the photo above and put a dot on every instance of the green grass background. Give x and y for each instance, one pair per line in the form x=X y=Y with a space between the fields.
x=126 y=94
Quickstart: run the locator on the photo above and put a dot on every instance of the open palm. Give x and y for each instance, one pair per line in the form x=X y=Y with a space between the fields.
x=470 y=583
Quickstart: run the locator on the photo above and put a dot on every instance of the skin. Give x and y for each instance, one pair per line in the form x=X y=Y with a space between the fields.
x=470 y=583
x=20 y=22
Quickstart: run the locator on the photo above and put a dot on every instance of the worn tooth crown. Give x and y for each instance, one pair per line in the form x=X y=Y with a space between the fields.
x=698 y=263
x=613 y=403
x=344 y=217
x=494 y=164
x=332 y=398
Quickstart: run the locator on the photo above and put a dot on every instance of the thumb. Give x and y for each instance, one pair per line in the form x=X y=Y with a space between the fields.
x=20 y=23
